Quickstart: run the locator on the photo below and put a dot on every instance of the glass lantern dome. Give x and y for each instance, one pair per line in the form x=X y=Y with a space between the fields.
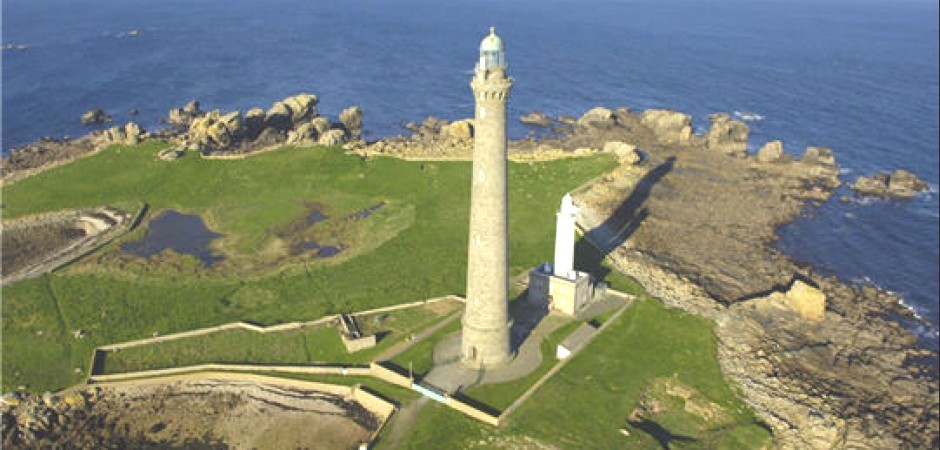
x=492 y=52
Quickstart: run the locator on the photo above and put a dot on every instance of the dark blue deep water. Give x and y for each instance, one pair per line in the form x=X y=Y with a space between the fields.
x=859 y=76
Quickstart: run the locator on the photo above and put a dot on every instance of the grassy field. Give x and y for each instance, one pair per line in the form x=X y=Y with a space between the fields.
x=316 y=344
x=586 y=403
x=415 y=247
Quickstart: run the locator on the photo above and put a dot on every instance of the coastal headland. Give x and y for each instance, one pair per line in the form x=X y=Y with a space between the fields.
x=691 y=217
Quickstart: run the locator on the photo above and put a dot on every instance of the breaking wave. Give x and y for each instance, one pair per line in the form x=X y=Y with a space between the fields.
x=748 y=116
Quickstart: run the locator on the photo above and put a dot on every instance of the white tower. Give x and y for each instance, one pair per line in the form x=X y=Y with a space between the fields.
x=564 y=239
x=564 y=289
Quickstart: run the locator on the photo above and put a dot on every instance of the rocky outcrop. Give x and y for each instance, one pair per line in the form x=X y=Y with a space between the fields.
x=129 y=134
x=461 y=130
x=182 y=117
x=900 y=184
x=670 y=126
x=626 y=153
x=598 y=117
x=536 y=119
x=333 y=137
x=771 y=152
x=819 y=362
x=254 y=123
x=215 y=131
x=285 y=114
x=433 y=138
x=727 y=136
x=351 y=118
x=294 y=120
x=818 y=155
x=95 y=116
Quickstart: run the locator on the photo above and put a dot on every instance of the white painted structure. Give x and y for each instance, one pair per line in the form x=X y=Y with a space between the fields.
x=564 y=238
x=565 y=289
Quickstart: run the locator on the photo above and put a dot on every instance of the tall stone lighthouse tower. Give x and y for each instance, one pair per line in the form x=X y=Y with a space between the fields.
x=486 y=319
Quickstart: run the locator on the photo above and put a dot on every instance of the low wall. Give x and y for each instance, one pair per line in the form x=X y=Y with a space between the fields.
x=473 y=412
x=310 y=370
x=388 y=375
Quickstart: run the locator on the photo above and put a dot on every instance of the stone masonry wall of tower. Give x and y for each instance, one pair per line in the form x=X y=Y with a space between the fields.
x=486 y=319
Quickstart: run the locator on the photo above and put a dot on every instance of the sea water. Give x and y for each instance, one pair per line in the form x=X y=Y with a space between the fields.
x=859 y=76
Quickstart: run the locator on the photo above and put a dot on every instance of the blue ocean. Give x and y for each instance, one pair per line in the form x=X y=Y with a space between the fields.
x=859 y=76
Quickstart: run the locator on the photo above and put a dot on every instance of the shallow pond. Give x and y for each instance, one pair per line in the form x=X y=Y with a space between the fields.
x=184 y=233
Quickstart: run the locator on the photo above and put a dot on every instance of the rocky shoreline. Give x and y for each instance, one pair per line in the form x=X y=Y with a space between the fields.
x=696 y=223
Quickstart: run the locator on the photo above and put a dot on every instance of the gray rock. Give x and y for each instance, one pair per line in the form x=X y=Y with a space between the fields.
x=351 y=118
x=669 y=126
x=95 y=116
x=279 y=117
x=771 y=152
x=727 y=136
x=625 y=152
x=321 y=124
x=303 y=133
x=332 y=138
x=537 y=119
x=900 y=184
x=254 y=122
x=598 y=117
x=818 y=155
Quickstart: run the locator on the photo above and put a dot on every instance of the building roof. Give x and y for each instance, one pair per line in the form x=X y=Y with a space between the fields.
x=492 y=43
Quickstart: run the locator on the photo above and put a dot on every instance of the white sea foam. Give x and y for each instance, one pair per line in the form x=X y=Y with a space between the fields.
x=748 y=116
x=845 y=171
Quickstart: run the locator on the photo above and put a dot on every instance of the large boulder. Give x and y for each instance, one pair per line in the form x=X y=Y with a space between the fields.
x=181 y=118
x=668 y=125
x=321 y=124
x=625 y=152
x=818 y=155
x=215 y=131
x=279 y=117
x=129 y=134
x=95 y=116
x=727 y=136
x=900 y=184
x=351 y=118
x=254 y=122
x=303 y=134
x=771 y=152
x=303 y=107
x=808 y=301
x=598 y=117
x=536 y=119
x=460 y=129
x=905 y=184
x=332 y=137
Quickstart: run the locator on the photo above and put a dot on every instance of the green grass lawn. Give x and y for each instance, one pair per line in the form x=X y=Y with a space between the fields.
x=501 y=395
x=319 y=344
x=419 y=358
x=419 y=251
x=586 y=403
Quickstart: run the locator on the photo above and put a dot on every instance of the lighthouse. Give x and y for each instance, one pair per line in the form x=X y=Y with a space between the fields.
x=485 y=338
